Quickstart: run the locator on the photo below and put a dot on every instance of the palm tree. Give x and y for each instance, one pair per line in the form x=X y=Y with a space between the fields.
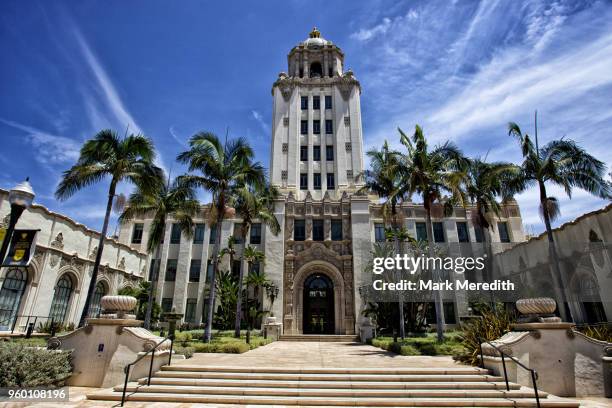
x=107 y=155
x=432 y=174
x=224 y=167
x=384 y=180
x=176 y=200
x=254 y=204
x=257 y=279
x=564 y=163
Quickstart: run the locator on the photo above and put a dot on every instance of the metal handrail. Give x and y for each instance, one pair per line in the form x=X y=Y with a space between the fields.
x=129 y=366
x=534 y=374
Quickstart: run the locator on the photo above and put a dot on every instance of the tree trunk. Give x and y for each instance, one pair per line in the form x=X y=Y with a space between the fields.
x=94 y=274
x=438 y=295
x=154 y=276
x=211 y=291
x=240 y=280
x=488 y=248
x=400 y=303
x=558 y=280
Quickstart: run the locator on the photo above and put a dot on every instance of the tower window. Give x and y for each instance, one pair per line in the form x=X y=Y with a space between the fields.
x=316 y=153
x=317 y=230
x=316 y=71
x=336 y=230
x=421 y=231
x=331 y=181
x=175 y=234
x=299 y=230
x=303 y=153
x=137 y=233
x=379 y=232
x=438 y=232
x=462 y=232
x=317 y=181
x=329 y=126
x=504 y=236
x=328 y=101
x=329 y=153
x=303 y=181
x=316 y=127
x=304 y=127
x=304 y=102
x=316 y=102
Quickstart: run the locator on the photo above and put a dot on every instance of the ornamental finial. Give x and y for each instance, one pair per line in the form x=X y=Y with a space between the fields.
x=315 y=33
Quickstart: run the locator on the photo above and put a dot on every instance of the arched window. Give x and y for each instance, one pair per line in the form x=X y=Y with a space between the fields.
x=10 y=296
x=61 y=299
x=316 y=71
x=94 y=308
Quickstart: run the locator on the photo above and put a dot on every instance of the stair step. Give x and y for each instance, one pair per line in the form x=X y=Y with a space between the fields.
x=330 y=370
x=480 y=385
x=327 y=377
x=333 y=393
x=332 y=401
x=337 y=338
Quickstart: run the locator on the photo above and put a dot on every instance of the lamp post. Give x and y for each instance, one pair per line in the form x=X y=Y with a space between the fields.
x=20 y=198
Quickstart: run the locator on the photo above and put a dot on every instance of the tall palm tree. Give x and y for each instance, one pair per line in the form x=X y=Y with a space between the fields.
x=177 y=201
x=252 y=204
x=564 y=163
x=224 y=167
x=432 y=174
x=105 y=156
x=384 y=180
x=252 y=255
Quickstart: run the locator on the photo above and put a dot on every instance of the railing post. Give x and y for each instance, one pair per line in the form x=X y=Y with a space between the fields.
x=505 y=372
x=127 y=375
x=171 y=346
x=535 y=386
x=151 y=367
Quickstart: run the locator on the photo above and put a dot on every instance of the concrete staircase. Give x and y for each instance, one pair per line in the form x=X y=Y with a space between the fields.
x=372 y=387
x=341 y=338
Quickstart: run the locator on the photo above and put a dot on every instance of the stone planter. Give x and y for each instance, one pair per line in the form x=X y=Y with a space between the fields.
x=118 y=305
x=536 y=306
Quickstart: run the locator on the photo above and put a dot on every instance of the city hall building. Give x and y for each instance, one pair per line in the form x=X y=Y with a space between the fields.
x=318 y=260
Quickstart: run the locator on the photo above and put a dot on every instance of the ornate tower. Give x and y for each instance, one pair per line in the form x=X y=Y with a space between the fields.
x=317 y=142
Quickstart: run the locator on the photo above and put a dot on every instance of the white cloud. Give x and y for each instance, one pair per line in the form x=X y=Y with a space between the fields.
x=259 y=118
x=366 y=34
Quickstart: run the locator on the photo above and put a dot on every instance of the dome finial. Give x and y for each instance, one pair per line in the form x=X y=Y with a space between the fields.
x=315 y=33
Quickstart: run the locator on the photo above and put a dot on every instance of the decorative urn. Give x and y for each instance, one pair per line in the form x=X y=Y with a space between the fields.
x=118 y=305
x=536 y=306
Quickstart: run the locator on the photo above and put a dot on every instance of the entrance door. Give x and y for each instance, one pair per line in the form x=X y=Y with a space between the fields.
x=318 y=305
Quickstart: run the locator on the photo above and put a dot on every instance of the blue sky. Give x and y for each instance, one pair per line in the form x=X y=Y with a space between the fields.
x=461 y=69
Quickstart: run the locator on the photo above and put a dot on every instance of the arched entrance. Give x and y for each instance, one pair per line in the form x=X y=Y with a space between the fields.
x=11 y=293
x=318 y=301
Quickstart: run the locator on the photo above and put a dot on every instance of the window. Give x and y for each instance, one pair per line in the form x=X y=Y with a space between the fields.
x=317 y=181
x=336 y=230
x=194 y=270
x=329 y=126
x=10 y=295
x=331 y=181
x=504 y=236
x=137 y=234
x=175 y=234
x=255 y=267
x=236 y=268
x=94 y=308
x=421 y=230
x=304 y=102
x=478 y=233
x=238 y=238
x=328 y=101
x=190 y=309
x=61 y=299
x=255 y=237
x=316 y=102
x=166 y=305
x=198 y=234
x=317 y=230
x=316 y=153
x=304 y=127
x=304 y=153
x=379 y=232
x=316 y=127
x=462 y=232
x=438 y=232
x=209 y=270
x=299 y=230
x=171 y=270
x=213 y=235
x=303 y=181
x=329 y=153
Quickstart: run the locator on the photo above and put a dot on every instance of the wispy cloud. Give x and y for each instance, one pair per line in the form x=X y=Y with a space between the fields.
x=259 y=119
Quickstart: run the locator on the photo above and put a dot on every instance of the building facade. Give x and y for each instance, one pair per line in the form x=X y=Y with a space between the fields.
x=54 y=285
x=318 y=260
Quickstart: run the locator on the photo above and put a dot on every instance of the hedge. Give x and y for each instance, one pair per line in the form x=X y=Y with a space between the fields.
x=23 y=366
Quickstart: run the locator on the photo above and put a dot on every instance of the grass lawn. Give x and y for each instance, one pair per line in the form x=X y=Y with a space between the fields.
x=189 y=342
x=425 y=345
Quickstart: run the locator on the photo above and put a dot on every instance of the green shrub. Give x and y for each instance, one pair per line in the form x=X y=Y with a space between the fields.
x=186 y=351
x=22 y=366
x=492 y=326
x=183 y=338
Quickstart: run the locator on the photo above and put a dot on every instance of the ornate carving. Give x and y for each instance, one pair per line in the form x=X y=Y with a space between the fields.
x=93 y=253
x=346 y=83
x=58 y=242
x=54 y=343
x=285 y=84
x=121 y=264
x=54 y=260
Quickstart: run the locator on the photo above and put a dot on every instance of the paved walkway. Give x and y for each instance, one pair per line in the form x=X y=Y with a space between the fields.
x=287 y=354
